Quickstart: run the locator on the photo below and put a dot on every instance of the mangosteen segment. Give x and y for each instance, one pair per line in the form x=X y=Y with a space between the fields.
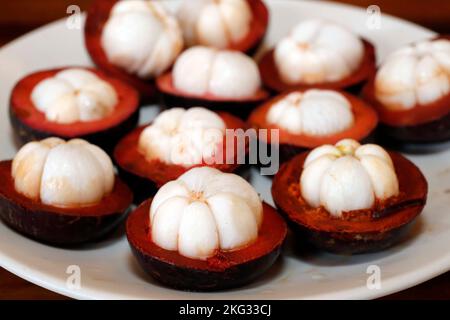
x=222 y=271
x=353 y=83
x=30 y=124
x=359 y=231
x=61 y=226
x=364 y=122
x=144 y=176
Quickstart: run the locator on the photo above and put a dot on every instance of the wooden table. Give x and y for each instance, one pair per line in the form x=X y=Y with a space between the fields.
x=19 y=16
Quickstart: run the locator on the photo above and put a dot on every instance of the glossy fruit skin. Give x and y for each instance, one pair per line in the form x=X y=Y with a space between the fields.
x=190 y=278
x=59 y=227
x=106 y=139
x=351 y=237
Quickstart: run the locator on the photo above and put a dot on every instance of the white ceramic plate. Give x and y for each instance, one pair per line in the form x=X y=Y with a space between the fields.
x=109 y=271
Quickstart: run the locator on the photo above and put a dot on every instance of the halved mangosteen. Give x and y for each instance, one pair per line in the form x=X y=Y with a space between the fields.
x=221 y=80
x=334 y=58
x=120 y=38
x=73 y=103
x=62 y=193
x=306 y=119
x=350 y=199
x=206 y=231
x=174 y=142
x=237 y=25
x=412 y=102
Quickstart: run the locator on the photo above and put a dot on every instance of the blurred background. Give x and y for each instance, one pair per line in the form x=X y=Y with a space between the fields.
x=20 y=16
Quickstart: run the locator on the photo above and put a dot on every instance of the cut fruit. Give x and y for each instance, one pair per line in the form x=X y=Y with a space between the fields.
x=290 y=144
x=56 y=225
x=30 y=124
x=257 y=29
x=172 y=97
x=145 y=177
x=357 y=231
x=271 y=77
x=226 y=269
x=420 y=124
x=97 y=16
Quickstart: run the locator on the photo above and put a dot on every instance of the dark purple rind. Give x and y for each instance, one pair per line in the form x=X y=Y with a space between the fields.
x=57 y=229
x=350 y=244
x=106 y=139
x=143 y=188
x=255 y=48
x=430 y=132
x=241 y=109
x=190 y=279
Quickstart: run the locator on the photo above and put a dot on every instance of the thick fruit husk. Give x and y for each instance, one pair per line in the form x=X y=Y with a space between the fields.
x=145 y=177
x=358 y=231
x=97 y=16
x=241 y=107
x=30 y=124
x=290 y=144
x=223 y=271
x=421 y=124
x=353 y=83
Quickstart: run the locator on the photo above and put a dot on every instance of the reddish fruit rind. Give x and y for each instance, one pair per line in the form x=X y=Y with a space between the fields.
x=30 y=124
x=146 y=177
x=365 y=121
x=97 y=16
x=224 y=270
x=358 y=231
x=172 y=97
x=258 y=28
x=434 y=131
x=61 y=226
x=352 y=83
x=421 y=124
x=416 y=116
x=105 y=139
x=291 y=144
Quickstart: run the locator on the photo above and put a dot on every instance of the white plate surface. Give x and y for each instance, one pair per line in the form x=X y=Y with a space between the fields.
x=108 y=269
